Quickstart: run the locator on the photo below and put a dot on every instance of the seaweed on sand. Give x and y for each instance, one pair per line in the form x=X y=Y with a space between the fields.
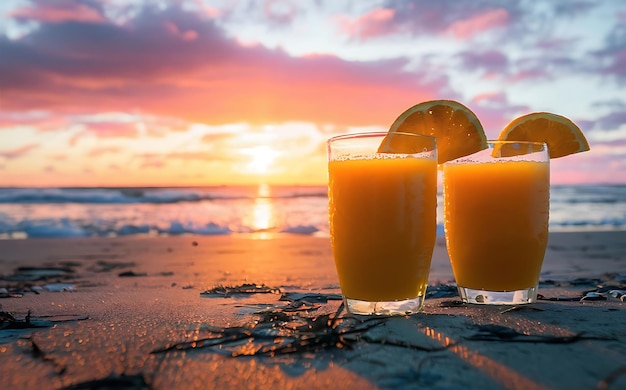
x=284 y=331
x=243 y=289
x=8 y=321
x=280 y=333
x=30 y=274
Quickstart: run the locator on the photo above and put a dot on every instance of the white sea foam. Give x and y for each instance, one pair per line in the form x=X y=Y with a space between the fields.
x=89 y=212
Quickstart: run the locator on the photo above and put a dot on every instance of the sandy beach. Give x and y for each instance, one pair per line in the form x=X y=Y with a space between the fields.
x=156 y=313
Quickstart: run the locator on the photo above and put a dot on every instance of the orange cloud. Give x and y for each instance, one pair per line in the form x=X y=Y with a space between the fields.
x=18 y=152
x=99 y=151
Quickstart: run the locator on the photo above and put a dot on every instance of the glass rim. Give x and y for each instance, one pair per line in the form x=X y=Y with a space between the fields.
x=371 y=134
x=508 y=142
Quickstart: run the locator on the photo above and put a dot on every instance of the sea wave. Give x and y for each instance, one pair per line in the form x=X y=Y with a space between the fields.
x=145 y=195
x=65 y=227
x=224 y=210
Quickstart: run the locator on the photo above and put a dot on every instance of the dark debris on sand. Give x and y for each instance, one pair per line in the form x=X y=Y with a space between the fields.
x=30 y=274
x=243 y=289
x=609 y=287
x=123 y=381
x=10 y=321
x=494 y=332
x=287 y=329
x=35 y=280
x=278 y=333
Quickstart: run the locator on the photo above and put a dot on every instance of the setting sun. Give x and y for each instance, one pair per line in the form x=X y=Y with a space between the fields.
x=261 y=159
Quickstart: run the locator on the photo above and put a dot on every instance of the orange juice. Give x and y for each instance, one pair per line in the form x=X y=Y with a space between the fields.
x=496 y=222
x=383 y=225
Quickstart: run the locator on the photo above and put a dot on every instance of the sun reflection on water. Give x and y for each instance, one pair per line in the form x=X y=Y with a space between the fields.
x=262 y=218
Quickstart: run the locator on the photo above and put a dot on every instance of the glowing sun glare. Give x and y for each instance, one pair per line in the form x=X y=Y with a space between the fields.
x=262 y=158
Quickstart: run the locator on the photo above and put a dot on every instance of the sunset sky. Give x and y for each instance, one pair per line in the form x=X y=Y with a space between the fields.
x=204 y=92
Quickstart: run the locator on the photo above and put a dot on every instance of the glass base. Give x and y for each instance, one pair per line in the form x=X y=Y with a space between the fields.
x=390 y=308
x=483 y=297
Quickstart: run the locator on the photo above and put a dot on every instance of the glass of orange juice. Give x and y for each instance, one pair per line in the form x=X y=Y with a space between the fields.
x=496 y=207
x=382 y=214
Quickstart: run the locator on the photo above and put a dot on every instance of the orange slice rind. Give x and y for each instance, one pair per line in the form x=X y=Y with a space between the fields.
x=562 y=136
x=457 y=130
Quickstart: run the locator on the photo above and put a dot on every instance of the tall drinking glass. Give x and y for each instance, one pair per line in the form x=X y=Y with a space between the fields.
x=382 y=212
x=496 y=206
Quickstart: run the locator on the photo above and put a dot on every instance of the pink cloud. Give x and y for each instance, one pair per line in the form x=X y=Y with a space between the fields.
x=58 y=11
x=113 y=129
x=476 y=24
x=376 y=22
x=18 y=152
x=590 y=167
x=210 y=79
x=490 y=97
x=188 y=35
x=107 y=130
x=44 y=121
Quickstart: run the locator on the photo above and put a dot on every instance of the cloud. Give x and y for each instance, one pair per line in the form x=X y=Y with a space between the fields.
x=44 y=120
x=557 y=44
x=495 y=110
x=374 y=23
x=460 y=20
x=612 y=120
x=106 y=130
x=188 y=35
x=18 y=152
x=476 y=24
x=186 y=156
x=151 y=160
x=144 y=66
x=58 y=11
x=487 y=62
x=612 y=58
x=102 y=150
x=282 y=12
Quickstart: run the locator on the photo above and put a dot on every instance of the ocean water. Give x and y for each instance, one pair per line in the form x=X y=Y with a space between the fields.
x=261 y=210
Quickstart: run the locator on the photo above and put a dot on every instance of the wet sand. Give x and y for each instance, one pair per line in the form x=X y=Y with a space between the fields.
x=131 y=312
